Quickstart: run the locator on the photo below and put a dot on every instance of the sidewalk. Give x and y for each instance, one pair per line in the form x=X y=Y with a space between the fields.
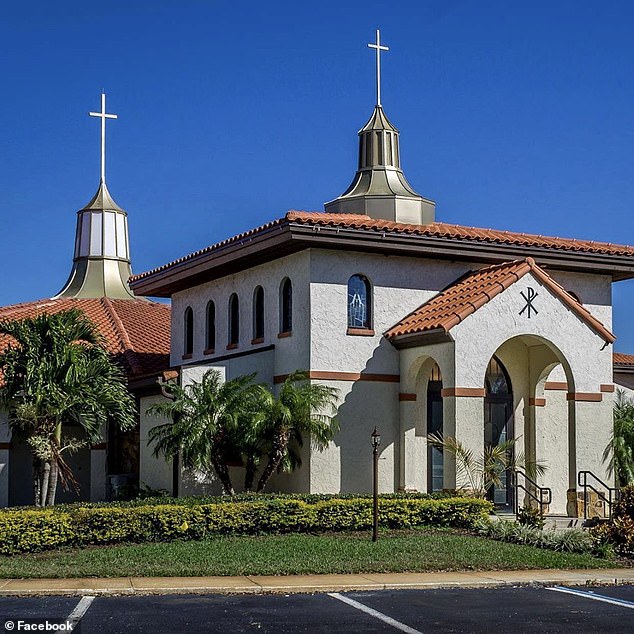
x=310 y=583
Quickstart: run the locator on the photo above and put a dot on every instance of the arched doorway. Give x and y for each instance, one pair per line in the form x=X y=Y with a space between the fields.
x=498 y=422
x=435 y=480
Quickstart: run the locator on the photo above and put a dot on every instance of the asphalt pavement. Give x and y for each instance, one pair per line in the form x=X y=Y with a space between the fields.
x=505 y=609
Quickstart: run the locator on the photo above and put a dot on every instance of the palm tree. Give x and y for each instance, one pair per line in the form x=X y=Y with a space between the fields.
x=56 y=372
x=298 y=410
x=482 y=472
x=210 y=420
x=619 y=454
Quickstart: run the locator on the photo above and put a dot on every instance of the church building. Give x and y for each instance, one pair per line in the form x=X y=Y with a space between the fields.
x=422 y=326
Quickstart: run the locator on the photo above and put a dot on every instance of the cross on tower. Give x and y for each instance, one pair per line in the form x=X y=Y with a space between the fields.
x=378 y=48
x=103 y=116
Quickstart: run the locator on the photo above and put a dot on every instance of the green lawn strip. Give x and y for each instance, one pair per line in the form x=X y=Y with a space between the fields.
x=396 y=551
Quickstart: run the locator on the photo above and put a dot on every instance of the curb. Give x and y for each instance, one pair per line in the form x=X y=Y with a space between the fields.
x=304 y=584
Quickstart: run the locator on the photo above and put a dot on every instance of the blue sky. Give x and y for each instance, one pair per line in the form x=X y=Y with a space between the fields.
x=516 y=116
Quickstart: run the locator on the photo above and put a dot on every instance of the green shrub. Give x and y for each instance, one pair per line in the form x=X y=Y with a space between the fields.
x=530 y=516
x=618 y=533
x=624 y=507
x=36 y=530
x=570 y=540
x=311 y=498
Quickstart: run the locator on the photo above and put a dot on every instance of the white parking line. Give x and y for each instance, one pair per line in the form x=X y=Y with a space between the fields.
x=80 y=609
x=376 y=614
x=595 y=597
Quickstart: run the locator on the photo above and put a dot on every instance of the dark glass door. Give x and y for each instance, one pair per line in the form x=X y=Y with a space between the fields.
x=498 y=424
x=434 y=426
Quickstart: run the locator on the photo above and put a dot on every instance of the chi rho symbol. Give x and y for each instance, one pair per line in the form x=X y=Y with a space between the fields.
x=529 y=296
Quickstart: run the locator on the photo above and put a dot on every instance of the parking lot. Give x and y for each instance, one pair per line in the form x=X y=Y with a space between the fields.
x=508 y=609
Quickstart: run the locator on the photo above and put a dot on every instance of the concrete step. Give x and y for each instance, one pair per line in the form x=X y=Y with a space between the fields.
x=556 y=522
x=562 y=522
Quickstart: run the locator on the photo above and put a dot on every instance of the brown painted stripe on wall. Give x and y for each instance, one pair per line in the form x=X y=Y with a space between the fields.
x=607 y=387
x=537 y=402
x=479 y=392
x=345 y=376
x=556 y=385
x=6 y=445
x=590 y=397
x=99 y=446
x=405 y=396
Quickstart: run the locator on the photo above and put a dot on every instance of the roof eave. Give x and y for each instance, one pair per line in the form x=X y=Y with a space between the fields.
x=291 y=236
x=414 y=339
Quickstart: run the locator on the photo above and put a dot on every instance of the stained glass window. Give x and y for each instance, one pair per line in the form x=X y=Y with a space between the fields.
x=496 y=381
x=359 y=302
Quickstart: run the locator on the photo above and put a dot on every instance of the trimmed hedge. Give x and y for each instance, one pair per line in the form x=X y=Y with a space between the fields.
x=198 y=500
x=36 y=530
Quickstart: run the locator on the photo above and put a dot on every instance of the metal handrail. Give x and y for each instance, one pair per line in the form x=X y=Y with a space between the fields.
x=613 y=493
x=544 y=498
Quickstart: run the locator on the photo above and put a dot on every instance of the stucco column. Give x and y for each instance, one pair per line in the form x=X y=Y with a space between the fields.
x=413 y=447
x=550 y=416
x=98 y=472
x=592 y=433
x=463 y=410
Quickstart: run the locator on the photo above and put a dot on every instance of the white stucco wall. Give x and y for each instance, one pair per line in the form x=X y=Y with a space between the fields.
x=478 y=337
x=292 y=353
x=346 y=465
x=399 y=285
x=155 y=472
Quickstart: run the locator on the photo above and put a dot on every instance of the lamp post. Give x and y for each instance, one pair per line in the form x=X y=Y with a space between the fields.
x=376 y=441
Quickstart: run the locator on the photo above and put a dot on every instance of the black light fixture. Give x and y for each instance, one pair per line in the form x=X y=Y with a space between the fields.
x=376 y=441
x=376 y=438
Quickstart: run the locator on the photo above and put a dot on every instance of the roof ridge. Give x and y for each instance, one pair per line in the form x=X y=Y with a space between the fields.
x=128 y=349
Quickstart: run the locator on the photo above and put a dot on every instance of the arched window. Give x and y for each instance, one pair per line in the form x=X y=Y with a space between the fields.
x=234 y=321
x=435 y=478
x=359 y=303
x=210 y=337
x=499 y=423
x=286 y=306
x=188 y=334
x=258 y=313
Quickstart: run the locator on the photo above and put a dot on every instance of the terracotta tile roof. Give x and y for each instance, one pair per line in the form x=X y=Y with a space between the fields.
x=475 y=289
x=437 y=230
x=459 y=232
x=136 y=332
x=620 y=358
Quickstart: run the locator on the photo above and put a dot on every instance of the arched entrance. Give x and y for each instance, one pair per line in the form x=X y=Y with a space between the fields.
x=498 y=422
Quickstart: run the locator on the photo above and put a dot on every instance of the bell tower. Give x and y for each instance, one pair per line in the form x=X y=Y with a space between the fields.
x=379 y=189
x=101 y=263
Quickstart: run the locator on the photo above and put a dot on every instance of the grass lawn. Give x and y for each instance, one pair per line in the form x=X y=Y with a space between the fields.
x=396 y=551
